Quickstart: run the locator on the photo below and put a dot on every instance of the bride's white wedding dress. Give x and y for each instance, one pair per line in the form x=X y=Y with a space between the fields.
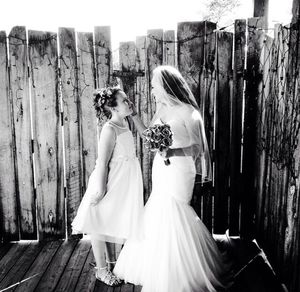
x=178 y=253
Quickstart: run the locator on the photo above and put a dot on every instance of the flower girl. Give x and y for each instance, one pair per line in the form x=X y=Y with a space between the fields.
x=112 y=205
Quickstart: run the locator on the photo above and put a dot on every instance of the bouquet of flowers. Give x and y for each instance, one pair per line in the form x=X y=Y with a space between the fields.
x=158 y=137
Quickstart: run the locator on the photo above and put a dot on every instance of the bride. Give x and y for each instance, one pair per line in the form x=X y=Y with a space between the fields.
x=177 y=252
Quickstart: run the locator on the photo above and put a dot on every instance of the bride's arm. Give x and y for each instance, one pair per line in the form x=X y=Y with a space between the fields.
x=185 y=151
x=137 y=121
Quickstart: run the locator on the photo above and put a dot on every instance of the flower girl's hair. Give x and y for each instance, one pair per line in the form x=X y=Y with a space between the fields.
x=104 y=99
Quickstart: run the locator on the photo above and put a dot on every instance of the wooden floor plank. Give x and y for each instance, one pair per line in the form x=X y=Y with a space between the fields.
x=87 y=280
x=57 y=266
x=21 y=266
x=74 y=267
x=101 y=287
x=39 y=266
x=4 y=248
x=136 y=289
x=128 y=288
x=11 y=257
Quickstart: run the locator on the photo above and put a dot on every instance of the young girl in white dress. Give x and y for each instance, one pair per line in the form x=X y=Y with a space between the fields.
x=111 y=208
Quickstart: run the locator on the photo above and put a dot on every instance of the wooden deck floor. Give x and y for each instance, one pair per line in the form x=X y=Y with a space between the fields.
x=67 y=266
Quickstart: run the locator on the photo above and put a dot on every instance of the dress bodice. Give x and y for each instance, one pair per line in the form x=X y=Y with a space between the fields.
x=180 y=135
x=124 y=147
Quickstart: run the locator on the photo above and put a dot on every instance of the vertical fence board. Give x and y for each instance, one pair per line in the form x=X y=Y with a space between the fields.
x=47 y=134
x=86 y=87
x=253 y=87
x=236 y=125
x=190 y=55
x=9 y=226
x=292 y=126
x=222 y=144
x=127 y=59
x=207 y=107
x=103 y=55
x=154 y=58
x=169 y=57
x=141 y=105
x=21 y=113
x=71 y=121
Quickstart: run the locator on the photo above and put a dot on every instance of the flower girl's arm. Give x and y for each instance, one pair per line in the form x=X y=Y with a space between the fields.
x=106 y=146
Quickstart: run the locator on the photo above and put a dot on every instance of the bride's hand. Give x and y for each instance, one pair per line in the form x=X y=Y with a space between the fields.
x=96 y=198
x=132 y=106
x=165 y=153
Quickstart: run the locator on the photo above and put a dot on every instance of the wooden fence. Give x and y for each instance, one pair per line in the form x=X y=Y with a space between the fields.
x=246 y=84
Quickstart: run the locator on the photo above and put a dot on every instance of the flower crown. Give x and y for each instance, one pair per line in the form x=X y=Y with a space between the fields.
x=104 y=94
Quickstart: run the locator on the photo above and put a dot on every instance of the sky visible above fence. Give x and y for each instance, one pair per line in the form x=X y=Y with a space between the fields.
x=127 y=18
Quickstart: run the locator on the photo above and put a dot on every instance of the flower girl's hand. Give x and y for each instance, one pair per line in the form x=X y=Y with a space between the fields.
x=96 y=198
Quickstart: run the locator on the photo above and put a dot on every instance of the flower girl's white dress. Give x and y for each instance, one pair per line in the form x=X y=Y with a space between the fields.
x=178 y=253
x=118 y=215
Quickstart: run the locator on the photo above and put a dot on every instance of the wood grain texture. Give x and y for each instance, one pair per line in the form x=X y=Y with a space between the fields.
x=103 y=55
x=169 y=56
x=39 y=266
x=56 y=268
x=74 y=267
x=253 y=87
x=141 y=106
x=19 y=85
x=9 y=226
x=222 y=143
x=154 y=48
x=47 y=134
x=236 y=125
x=207 y=108
x=22 y=264
x=71 y=121
x=86 y=87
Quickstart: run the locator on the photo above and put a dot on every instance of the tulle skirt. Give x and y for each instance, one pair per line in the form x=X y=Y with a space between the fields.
x=177 y=253
x=118 y=215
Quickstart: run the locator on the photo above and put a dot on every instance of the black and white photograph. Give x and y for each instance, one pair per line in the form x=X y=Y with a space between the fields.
x=150 y=146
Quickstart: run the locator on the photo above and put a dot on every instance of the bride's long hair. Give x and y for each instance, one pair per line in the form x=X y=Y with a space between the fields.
x=175 y=99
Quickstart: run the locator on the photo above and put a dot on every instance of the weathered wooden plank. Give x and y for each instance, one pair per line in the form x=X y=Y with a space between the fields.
x=222 y=143
x=86 y=86
x=22 y=264
x=169 y=56
x=103 y=55
x=103 y=61
x=47 y=134
x=74 y=267
x=141 y=106
x=39 y=266
x=253 y=87
x=12 y=256
x=154 y=58
x=236 y=125
x=264 y=141
x=71 y=121
x=207 y=107
x=56 y=268
x=190 y=50
x=127 y=59
x=190 y=55
x=9 y=227
x=87 y=279
x=19 y=86
x=4 y=248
